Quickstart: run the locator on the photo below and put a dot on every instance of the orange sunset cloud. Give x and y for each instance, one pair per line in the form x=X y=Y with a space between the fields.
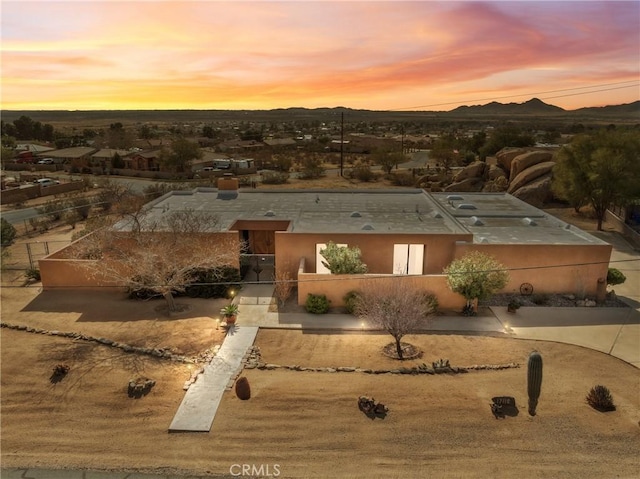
x=258 y=55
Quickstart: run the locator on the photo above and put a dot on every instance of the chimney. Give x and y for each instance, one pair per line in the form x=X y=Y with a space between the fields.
x=228 y=183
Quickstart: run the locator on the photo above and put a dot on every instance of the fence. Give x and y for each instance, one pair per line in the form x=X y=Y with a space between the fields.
x=23 y=256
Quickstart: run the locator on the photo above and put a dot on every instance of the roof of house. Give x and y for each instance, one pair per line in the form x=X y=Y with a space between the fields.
x=109 y=153
x=75 y=152
x=498 y=218
x=33 y=147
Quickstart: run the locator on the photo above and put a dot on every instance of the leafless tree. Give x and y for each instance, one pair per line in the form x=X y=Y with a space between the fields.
x=159 y=256
x=395 y=306
x=283 y=285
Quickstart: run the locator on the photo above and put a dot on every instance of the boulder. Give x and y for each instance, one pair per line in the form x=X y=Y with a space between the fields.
x=522 y=162
x=467 y=185
x=530 y=174
x=496 y=172
x=536 y=193
x=505 y=156
x=474 y=170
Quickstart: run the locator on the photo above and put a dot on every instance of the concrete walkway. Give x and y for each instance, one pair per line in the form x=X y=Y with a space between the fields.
x=200 y=403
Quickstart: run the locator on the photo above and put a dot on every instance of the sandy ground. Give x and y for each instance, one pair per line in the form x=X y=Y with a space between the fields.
x=308 y=423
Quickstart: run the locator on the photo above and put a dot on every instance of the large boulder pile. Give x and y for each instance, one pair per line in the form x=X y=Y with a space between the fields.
x=523 y=172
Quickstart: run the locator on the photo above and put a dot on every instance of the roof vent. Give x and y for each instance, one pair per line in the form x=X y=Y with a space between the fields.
x=475 y=221
x=355 y=214
x=483 y=240
x=367 y=227
x=567 y=226
x=437 y=215
x=455 y=198
x=270 y=213
x=466 y=206
x=529 y=222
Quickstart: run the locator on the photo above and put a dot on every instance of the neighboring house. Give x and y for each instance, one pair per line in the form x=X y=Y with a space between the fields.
x=143 y=161
x=401 y=232
x=280 y=142
x=77 y=156
x=102 y=158
x=241 y=145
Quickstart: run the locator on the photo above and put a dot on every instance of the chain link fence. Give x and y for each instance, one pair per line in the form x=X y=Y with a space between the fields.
x=24 y=256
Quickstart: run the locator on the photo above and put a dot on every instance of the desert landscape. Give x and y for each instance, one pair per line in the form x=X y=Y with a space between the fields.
x=306 y=423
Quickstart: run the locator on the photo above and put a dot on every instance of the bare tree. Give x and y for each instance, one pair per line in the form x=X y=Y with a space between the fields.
x=159 y=256
x=395 y=306
x=283 y=286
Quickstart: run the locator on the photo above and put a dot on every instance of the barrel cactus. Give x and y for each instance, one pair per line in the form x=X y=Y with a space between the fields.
x=534 y=380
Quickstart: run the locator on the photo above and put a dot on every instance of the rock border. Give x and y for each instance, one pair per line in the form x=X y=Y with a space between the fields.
x=253 y=360
x=162 y=353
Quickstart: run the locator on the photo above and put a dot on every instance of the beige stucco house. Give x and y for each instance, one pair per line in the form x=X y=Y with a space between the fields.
x=403 y=234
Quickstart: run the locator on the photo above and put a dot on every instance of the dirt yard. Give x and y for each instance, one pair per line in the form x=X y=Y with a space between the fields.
x=306 y=423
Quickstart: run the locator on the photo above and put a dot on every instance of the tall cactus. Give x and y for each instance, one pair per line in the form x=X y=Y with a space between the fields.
x=534 y=380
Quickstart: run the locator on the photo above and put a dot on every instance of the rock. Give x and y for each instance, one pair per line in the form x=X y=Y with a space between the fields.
x=331 y=370
x=467 y=185
x=243 y=390
x=589 y=303
x=496 y=172
x=346 y=369
x=536 y=193
x=505 y=156
x=474 y=170
x=527 y=160
x=528 y=175
x=272 y=366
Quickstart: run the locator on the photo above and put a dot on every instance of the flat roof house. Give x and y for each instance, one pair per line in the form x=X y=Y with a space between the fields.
x=400 y=232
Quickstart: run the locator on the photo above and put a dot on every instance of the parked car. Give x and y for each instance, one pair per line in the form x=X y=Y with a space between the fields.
x=46 y=182
x=46 y=161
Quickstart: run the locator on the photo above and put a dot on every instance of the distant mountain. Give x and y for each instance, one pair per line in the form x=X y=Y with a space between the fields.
x=534 y=106
x=611 y=110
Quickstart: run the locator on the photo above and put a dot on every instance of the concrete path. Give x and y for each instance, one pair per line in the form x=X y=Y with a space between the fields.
x=200 y=403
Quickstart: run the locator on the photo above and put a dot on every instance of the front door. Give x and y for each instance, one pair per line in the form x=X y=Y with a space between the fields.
x=262 y=241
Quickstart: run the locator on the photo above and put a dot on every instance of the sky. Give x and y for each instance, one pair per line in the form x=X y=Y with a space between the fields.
x=376 y=55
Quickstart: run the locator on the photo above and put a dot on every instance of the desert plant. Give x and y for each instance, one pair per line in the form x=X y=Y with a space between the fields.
x=351 y=301
x=615 y=276
x=513 y=305
x=600 y=398
x=7 y=233
x=402 y=179
x=343 y=259
x=362 y=172
x=534 y=380
x=283 y=286
x=275 y=178
x=32 y=274
x=317 y=304
x=213 y=282
x=229 y=310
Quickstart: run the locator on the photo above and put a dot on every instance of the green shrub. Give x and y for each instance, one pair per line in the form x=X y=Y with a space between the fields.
x=600 y=398
x=615 y=276
x=351 y=301
x=362 y=172
x=8 y=232
x=317 y=304
x=32 y=274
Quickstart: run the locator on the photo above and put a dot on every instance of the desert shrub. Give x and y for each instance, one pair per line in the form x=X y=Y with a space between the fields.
x=540 y=299
x=402 y=179
x=283 y=286
x=600 y=398
x=7 y=232
x=615 y=276
x=362 y=172
x=32 y=274
x=213 y=283
x=351 y=301
x=275 y=178
x=343 y=259
x=52 y=209
x=317 y=304
x=156 y=190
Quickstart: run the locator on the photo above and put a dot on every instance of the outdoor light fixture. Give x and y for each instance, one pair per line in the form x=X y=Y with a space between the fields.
x=217 y=323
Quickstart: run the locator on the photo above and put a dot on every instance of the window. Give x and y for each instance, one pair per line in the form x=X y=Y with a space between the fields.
x=408 y=258
x=320 y=268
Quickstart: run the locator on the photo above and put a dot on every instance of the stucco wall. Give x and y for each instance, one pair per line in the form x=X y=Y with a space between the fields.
x=377 y=249
x=539 y=266
x=334 y=287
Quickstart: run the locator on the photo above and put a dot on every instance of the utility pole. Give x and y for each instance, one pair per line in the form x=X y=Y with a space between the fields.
x=341 y=142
